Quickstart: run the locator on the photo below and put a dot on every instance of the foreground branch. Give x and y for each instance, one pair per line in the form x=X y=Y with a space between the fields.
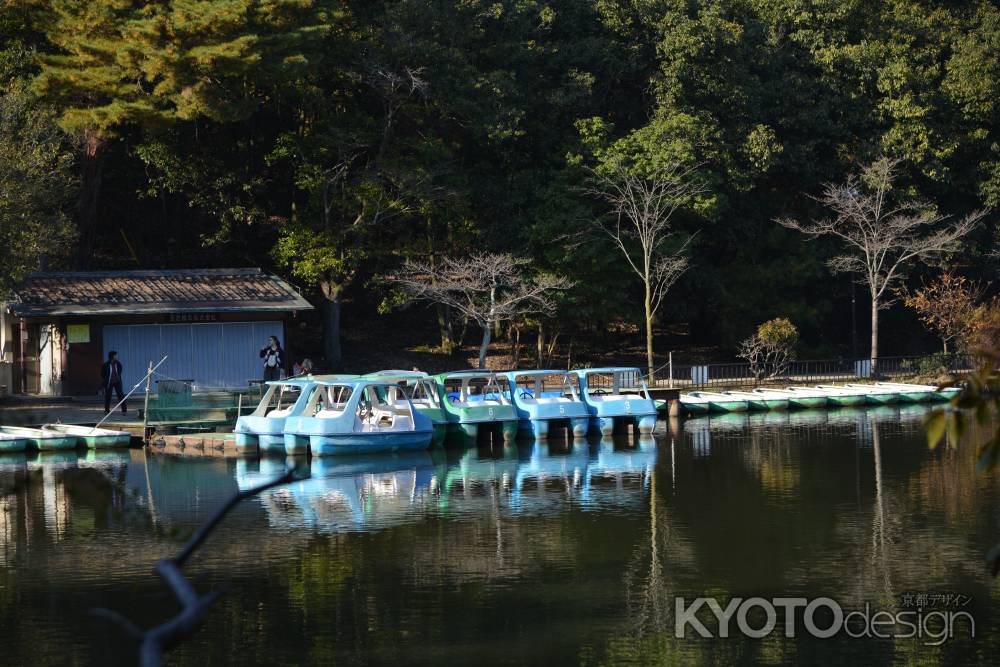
x=194 y=608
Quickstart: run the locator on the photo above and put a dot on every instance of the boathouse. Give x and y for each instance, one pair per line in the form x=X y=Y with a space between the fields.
x=210 y=323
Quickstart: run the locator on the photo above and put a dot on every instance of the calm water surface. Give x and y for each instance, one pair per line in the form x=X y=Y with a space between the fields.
x=549 y=553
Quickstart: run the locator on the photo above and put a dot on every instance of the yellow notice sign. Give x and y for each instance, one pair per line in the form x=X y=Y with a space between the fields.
x=78 y=333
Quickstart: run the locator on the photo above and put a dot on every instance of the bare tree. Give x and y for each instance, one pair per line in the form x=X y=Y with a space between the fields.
x=881 y=239
x=487 y=288
x=642 y=210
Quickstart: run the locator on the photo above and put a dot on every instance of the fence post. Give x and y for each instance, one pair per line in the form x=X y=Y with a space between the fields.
x=670 y=364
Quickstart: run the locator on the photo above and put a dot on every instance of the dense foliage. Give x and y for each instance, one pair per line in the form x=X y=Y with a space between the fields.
x=332 y=140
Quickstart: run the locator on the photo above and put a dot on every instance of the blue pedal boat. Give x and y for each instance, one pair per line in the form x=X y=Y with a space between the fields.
x=616 y=396
x=264 y=428
x=423 y=392
x=544 y=398
x=361 y=416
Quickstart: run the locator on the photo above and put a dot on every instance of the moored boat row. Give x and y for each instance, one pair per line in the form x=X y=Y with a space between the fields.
x=52 y=437
x=393 y=411
x=846 y=395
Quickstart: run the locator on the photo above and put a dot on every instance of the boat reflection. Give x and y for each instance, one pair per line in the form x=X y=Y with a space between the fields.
x=859 y=420
x=355 y=494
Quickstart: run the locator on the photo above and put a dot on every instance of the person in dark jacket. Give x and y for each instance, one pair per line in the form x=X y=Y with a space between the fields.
x=274 y=359
x=111 y=378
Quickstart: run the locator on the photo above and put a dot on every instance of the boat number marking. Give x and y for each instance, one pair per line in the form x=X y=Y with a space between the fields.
x=562 y=410
x=491 y=413
x=628 y=406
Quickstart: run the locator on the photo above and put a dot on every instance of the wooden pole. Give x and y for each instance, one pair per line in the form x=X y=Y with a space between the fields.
x=145 y=406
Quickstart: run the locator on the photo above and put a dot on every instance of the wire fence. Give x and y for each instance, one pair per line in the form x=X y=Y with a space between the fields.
x=689 y=376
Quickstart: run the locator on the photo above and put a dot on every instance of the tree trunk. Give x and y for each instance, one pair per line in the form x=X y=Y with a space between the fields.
x=92 y=165
x=484 y=345
x=874 y=353
x=649 y=335
x=444 y=327
x=541 y=343
x=331 y=325
x=945 y=342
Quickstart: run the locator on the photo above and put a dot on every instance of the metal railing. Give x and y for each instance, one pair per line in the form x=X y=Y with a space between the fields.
x=690 y=376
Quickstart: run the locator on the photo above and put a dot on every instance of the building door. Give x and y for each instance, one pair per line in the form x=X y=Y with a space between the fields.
x=30 y=359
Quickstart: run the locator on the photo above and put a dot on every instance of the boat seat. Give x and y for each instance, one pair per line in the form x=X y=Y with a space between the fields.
x=277 y=414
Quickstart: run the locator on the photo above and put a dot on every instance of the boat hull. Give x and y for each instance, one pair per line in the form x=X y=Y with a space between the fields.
x=13 y=445
x=916 y=396
x=729 y=406
x=472 y=429
x=609 y=425
x=945 y=394
x=540 y=428
x=848 y=401
x=808 y=402
x=887 y=398
x=54 y=444
x=106 y=441
x=695 y=408
x=369 y=443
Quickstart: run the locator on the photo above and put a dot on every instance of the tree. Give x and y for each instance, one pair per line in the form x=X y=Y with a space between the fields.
x=946 y=306
x=37 y=185
x=881 y=239
x=487 y=288
x=641 y=229
x=771 y=348
x=121 y=64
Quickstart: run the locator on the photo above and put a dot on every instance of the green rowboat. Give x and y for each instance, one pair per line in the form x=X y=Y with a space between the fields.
x=42 y=440
x=92 y=437
x=12 y=444
x=844 y=397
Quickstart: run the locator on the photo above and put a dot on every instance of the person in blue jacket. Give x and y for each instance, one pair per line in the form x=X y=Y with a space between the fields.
x=274 y=359
x=111 y=379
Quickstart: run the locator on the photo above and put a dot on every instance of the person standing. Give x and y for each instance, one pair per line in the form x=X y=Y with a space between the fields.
x=274 y=359
x=111 y=377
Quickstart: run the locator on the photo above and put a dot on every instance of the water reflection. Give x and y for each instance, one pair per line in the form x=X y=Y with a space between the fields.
x=533 y=553
x=380 y=491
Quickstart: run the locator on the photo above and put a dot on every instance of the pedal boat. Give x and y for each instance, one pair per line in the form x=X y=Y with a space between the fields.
x=617 y=397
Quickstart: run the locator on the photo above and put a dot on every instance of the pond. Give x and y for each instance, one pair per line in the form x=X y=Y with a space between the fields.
x=541 y=553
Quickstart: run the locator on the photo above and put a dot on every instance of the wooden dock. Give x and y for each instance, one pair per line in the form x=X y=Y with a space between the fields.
x=198 y=444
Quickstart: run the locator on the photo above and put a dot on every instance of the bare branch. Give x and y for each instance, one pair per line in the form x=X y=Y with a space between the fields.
x=153 y=642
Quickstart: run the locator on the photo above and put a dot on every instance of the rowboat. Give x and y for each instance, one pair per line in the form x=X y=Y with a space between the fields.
x=92 y=437
x=693 y=404
x=918 y=393
x=804 y=397
x=478 y=402
x=844 y=397
x=546 y=398
x=616 y=396
x=361 y=416
x=718 y=402
x=41 y=440
x=12 y=443
x=762 y=399
x=422 y=391
x=877 y=394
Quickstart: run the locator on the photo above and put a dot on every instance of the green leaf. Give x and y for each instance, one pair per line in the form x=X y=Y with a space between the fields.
x=935 y=423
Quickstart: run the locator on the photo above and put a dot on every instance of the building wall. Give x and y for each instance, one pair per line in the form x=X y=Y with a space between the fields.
x=214 y=350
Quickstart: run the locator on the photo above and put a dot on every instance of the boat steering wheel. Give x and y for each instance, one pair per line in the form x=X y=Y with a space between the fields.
x=524 y=393
x=599 y=392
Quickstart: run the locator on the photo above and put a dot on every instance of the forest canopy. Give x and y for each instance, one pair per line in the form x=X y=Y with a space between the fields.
x=332 y=141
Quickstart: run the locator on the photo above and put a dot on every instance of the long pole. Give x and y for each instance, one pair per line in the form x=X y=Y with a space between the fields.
x=131 y=391
x=145 y=403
